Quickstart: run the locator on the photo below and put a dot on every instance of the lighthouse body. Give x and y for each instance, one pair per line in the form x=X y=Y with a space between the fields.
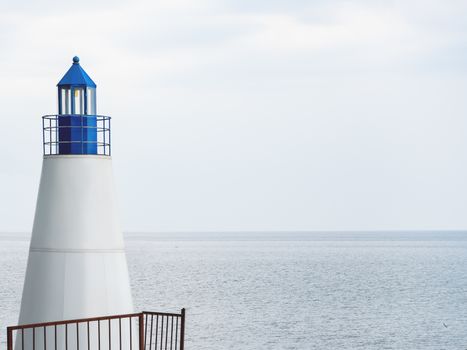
x=77 y=266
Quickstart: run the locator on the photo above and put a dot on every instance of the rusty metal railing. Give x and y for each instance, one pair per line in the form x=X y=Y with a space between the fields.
x=139 y=331
x=157 y=330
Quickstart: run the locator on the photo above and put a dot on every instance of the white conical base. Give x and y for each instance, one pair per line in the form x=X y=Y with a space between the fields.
x=77 y=266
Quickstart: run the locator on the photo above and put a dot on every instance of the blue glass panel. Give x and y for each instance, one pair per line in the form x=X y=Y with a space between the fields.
x=90 y=135
x=77 y=134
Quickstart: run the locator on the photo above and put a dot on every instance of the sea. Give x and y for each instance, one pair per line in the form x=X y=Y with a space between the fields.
x=289 y=290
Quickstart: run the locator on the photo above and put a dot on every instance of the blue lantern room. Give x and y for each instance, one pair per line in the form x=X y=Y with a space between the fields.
x=76 y=92
x=77 y=129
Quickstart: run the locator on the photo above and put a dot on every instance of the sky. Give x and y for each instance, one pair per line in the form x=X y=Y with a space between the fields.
x=235 y=115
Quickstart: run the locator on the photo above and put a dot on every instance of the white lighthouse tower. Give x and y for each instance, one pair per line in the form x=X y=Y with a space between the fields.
x=77 y=266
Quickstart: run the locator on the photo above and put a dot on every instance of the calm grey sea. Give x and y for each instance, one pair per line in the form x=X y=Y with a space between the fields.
x=376 y=290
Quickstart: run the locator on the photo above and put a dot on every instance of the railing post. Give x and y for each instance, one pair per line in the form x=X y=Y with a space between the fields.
x=182 y=330
x=110 y=143
x=43 y=136
x=9 y=345
x=50 y=133
x=141 y=331
x=82 y=145
x=103 y=135
x=57 y=134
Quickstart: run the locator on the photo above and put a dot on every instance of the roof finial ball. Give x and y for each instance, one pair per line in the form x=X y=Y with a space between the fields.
x=76 y=60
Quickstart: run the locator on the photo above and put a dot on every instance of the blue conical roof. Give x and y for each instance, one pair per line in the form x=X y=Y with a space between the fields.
x=76 y=76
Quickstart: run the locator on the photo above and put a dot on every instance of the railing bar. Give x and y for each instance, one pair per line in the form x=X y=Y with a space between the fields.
x=45 y=338
x=171 y=332
x=141 y=336
x=9 y=336
x=89 y=341
x=131 y=341
x=104 y=135
x=99 y=335
x=99 y=129
x=22 y=339
x=78 y=142
x=157 y=329
x=73 y=126
x=77 y=336
x=33 y=338
x=176 y=332
x=43 y=135
x=50 y=136
x=162 y=331
x=145 y=330
x=166 y=331
x=50 y=130
x=56 y=136
x=55 y=336
x=58 y=323
x=82 y=149
x=110 y=341
x=150 y=336
x=120 y=332
x=66 y=336
x=99 y=116
x=162 y=313
x=182 y=330
x=110 y=146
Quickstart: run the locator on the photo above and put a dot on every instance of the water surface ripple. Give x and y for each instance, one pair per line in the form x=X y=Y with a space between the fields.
x=298 y=291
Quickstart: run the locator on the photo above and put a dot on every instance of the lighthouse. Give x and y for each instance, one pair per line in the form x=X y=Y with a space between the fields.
x=77 y=265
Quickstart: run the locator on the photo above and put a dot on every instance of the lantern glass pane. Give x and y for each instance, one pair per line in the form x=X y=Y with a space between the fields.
x=78 y=95
x=65 y=102
x=91 y=101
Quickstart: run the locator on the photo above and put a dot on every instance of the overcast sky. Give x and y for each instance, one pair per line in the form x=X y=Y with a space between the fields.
x=250 y=115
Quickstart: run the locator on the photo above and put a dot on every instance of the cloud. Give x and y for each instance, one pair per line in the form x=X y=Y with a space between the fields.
x=240 y=115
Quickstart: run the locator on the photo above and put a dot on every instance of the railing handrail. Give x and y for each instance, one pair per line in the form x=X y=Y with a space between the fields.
x=77 y=320
x=47 y=116
x=161 y=313
x=92 y=319
x=65 y=142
